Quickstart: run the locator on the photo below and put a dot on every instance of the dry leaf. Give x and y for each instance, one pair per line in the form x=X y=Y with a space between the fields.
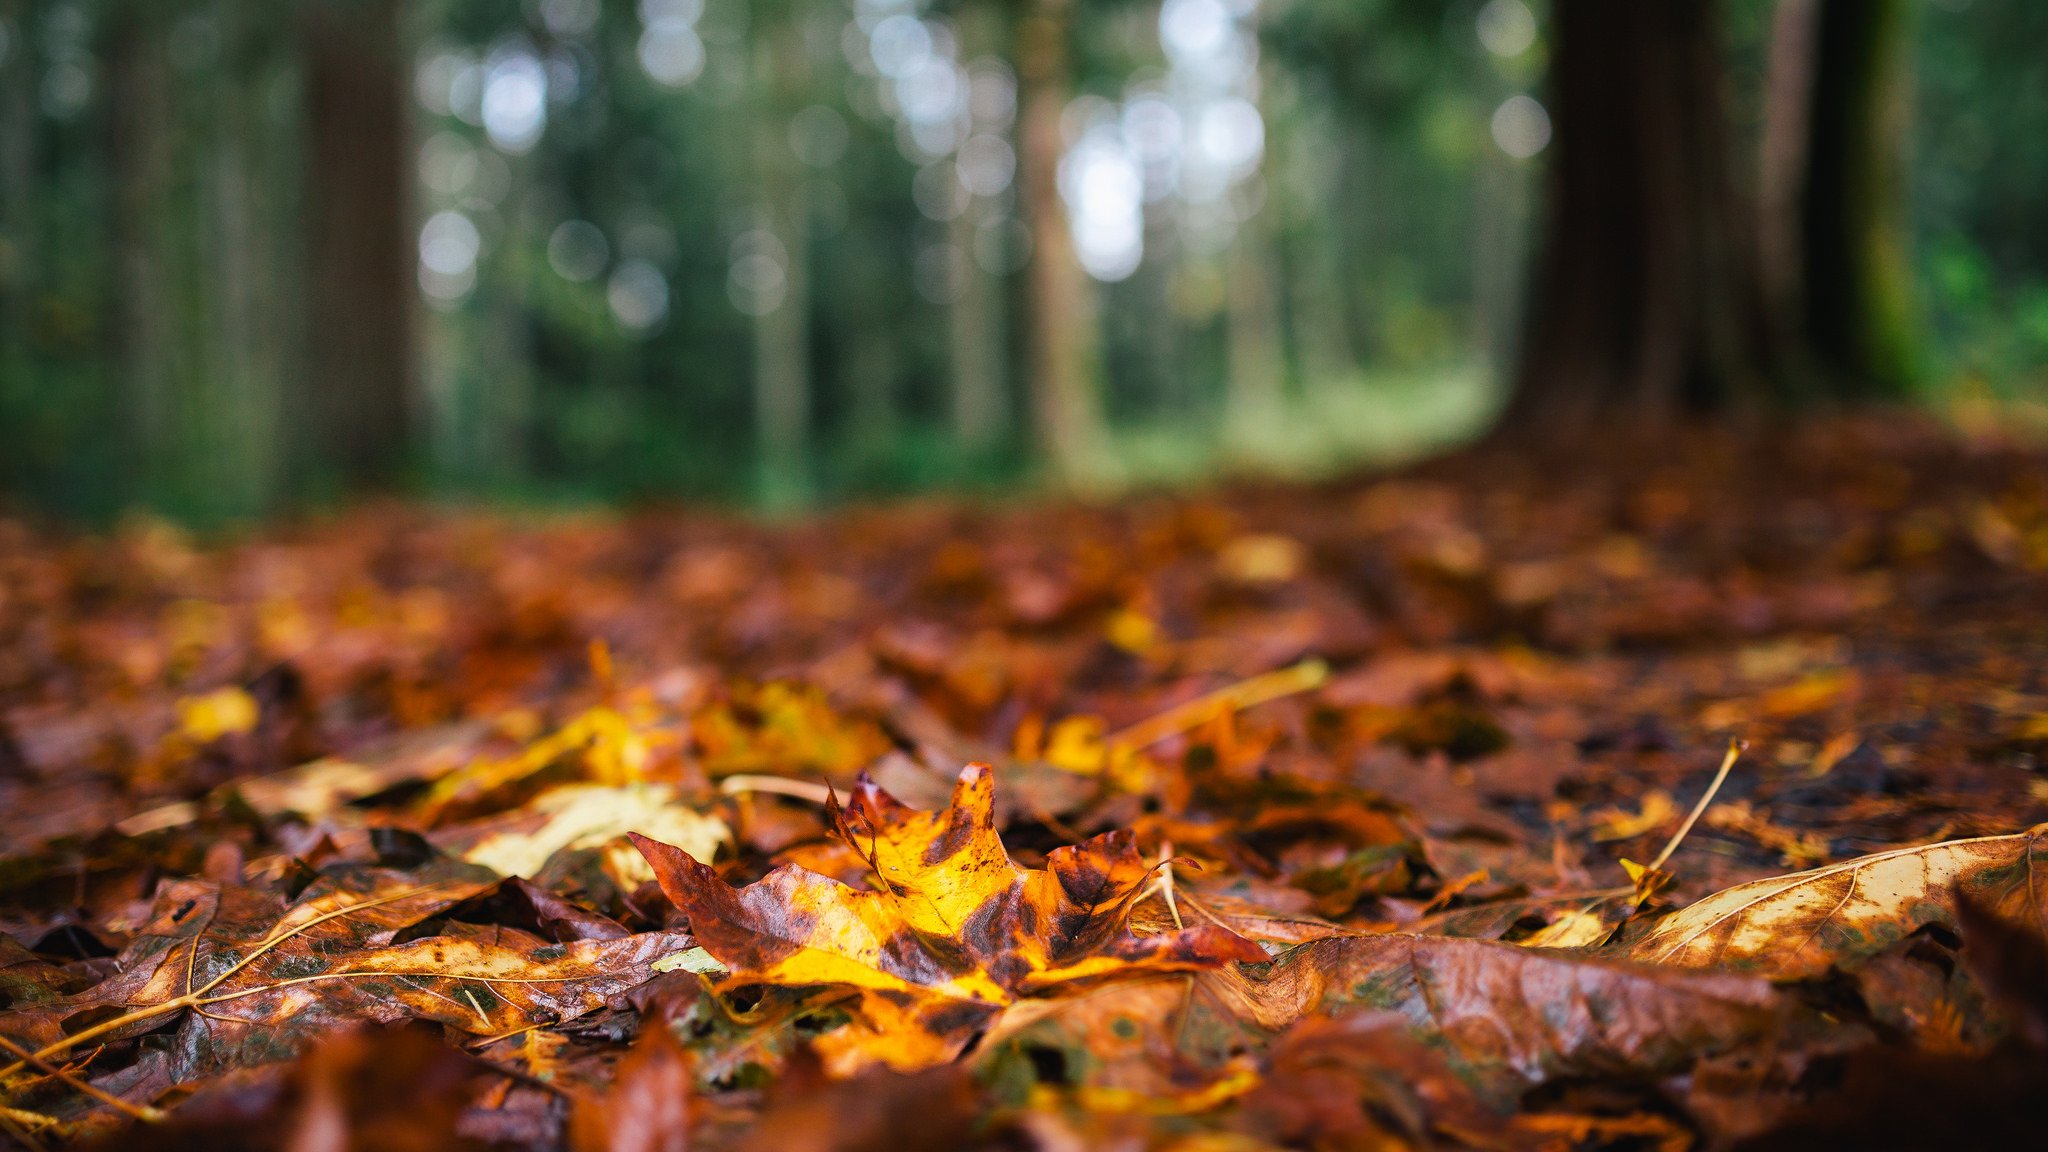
x=592 y=815
x=1798 y=926
x=955 y=932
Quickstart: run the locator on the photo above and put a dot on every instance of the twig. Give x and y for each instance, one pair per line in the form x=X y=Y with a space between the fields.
x=1735 y=749
x=142 y=1112
x=16 y=1122
x=779 y=785
x=1302 y=677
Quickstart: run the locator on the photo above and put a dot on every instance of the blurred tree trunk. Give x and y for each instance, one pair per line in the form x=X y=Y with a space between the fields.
x=354 y=420
x=1833 y=189
x=253 y=296
x=1256 y=397
x=1256 y=387
x=17 y=179
x=1648 y=305
x=976 y=339
x=139 y=155
x=976 y=330
x=782 y=335
x=1064 y=399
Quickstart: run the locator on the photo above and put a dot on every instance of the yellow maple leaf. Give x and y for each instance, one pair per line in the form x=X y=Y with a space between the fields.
x=954 y=932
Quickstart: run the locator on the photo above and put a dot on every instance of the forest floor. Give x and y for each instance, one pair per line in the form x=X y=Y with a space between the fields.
x=1332 y=817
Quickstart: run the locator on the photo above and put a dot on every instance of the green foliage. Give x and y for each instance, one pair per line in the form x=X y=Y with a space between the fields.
x=153 y=200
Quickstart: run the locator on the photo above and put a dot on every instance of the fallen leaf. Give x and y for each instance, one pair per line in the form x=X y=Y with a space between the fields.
x=651 y=1105
x=593 y=815
x=366 y=1091
x=221 y=712
x=1657 y=811
x=955 y=931
x=1509 y=1017
x=1797 y=927
x=251 y=980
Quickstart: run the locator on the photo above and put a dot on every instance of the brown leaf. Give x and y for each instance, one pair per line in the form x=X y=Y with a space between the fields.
x=253 y=980
x=1797 y=927
x=880 y=1111
x=374 y=1091
x=649 y=1106
x=1512 y=1016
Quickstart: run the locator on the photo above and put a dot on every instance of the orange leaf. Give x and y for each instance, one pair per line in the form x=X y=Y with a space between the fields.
x=955 y=931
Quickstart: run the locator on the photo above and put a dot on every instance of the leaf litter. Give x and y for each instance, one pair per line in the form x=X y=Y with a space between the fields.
x=1256 y=819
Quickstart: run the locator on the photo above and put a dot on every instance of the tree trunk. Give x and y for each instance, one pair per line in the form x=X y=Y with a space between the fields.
x=1855 y=283
x=782 y=335
x=1065 y=406
x=976 y=337
x=1256 y=387
x=1648 y=305
x=139 y=154
x=354 y=420
x=17 y=178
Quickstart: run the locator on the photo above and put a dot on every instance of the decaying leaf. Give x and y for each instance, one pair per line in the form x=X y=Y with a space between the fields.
x=1795 y=927
x=251 y=979
x=1510 y=1016
x=954 y=931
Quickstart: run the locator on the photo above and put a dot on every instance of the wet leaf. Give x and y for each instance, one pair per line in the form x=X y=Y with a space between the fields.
x=1510 y=1016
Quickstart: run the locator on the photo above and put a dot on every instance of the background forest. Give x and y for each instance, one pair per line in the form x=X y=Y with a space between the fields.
x=260 y=256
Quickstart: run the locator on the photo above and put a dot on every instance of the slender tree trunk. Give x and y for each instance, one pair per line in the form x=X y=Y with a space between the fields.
x=139 y=147
x=1257 y=363
x=979 y=413
x=354 y=420
x=977 y=340
x=1782 y=156
x=1501 y=204
x=249 y=279
x=1648 y=305
x=1856 y=283
x=17 y=178
x=1065 y=406
x=782 y=354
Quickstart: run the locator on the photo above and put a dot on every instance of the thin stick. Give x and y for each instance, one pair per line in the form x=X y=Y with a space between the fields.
x=779 y=785
x=1302 y=677
x=142 y=1112
x=1735 y=748
x=16 y=1123
x=1166 y=881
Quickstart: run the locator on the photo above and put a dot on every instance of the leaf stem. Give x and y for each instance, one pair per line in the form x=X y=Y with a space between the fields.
x=1735 y=749
x=779 y=785
x=1302 y=677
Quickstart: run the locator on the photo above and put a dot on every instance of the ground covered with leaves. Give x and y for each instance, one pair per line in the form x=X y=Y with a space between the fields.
x=1371 y=815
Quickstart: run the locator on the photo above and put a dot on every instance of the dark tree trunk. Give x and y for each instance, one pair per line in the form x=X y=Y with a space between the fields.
x=353 y=419
x=1648 y=306
x=1854 y=278
x=139 y=154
